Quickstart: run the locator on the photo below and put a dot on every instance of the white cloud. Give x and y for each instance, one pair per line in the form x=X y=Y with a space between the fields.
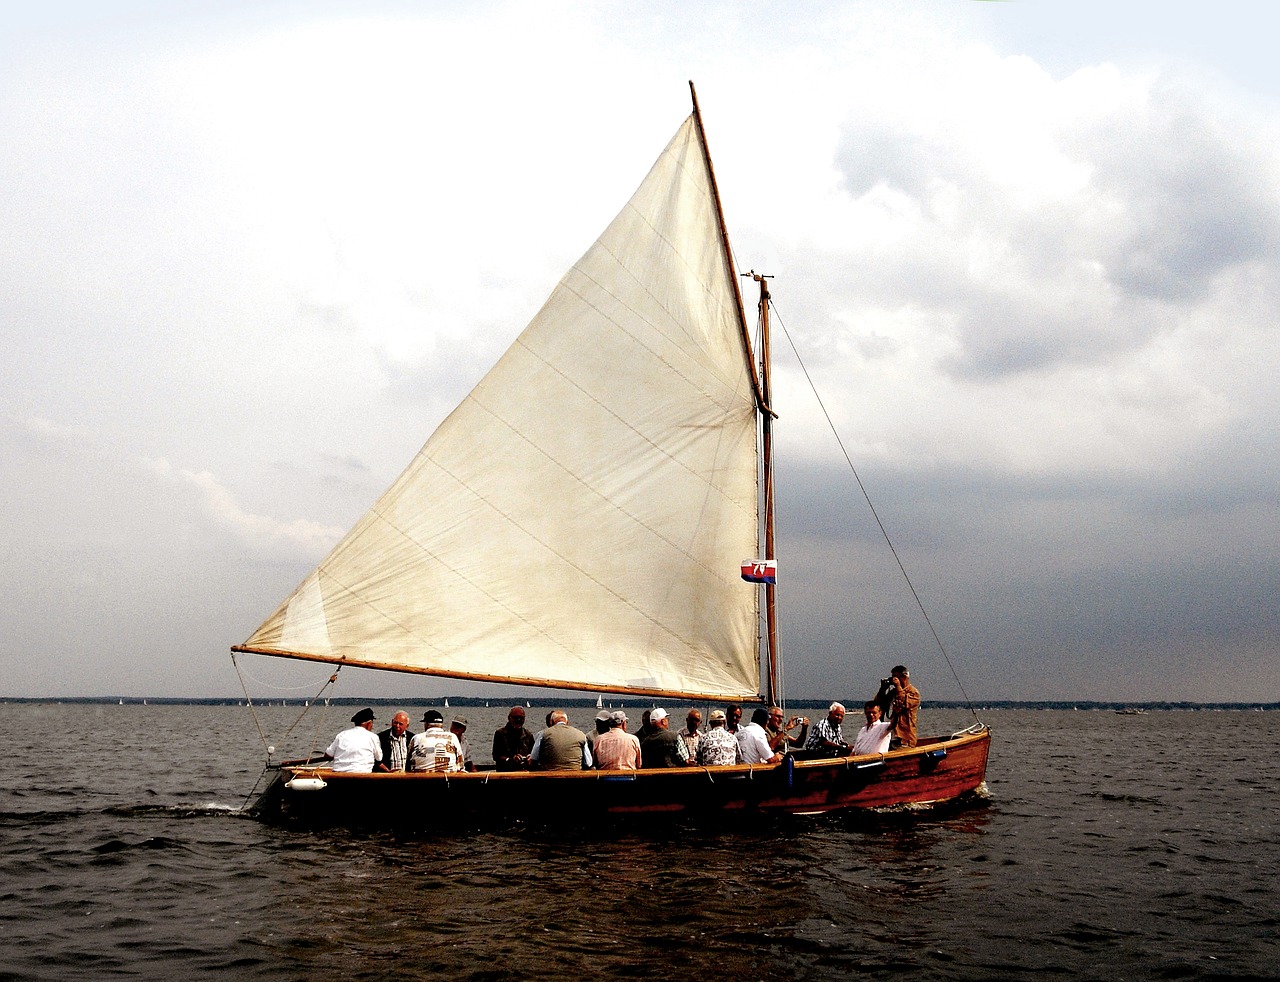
x=263 y=534
x=266 y=249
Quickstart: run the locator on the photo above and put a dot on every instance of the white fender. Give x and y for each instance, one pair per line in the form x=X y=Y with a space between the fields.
x=306 y=784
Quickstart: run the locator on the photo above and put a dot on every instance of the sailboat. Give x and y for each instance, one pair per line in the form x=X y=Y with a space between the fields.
x=580 y=522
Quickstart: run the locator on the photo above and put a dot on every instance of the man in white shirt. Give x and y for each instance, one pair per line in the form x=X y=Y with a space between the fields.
x=356 y=748
x=753 y=742
x=873 y=738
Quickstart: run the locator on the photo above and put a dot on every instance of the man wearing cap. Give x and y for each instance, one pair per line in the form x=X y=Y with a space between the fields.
x=617 y=750
x=512 y=744
x=663 y=748
x=604 y=720
x=459 y=729
x=436 y=749
x=561 y=747
x=394 y=741
x=717 y=747
x=356 y=748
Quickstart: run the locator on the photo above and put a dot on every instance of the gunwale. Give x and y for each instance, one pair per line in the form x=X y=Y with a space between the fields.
x=938 y=769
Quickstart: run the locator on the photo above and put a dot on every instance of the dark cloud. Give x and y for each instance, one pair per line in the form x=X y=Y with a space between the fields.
x=1177 y=193
x=1197 y=190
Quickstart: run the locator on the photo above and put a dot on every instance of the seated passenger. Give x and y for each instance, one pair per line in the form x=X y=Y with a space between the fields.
x=512 y=744
x=356 y=749
x=617 y=750
x=561 y=747
x=692 y=733
x=604 y=720
x=732 y=718
x=753 y=743
x=645 y=727
x=826 y=735
x=717 y=747
x=394 y=741
x=662 y=748
x=874 y=736
x=458 y=727
x=779 y=732
x=436 y=749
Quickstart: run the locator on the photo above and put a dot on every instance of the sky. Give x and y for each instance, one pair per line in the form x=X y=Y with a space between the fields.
x=252 y=253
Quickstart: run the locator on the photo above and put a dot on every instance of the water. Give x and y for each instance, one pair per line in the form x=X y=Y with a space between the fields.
x=1125 y=847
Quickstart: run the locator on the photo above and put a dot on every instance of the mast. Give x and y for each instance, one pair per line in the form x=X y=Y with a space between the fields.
x=766 y=445
x=760 y=383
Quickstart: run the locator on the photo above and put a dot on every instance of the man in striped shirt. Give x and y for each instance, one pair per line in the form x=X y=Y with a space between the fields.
x=395 y=744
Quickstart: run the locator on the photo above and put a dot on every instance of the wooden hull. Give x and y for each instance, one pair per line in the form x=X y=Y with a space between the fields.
x=939 y=769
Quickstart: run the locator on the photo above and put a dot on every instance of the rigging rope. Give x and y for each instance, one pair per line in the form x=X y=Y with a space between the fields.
x=240 y=674
x=874 y=514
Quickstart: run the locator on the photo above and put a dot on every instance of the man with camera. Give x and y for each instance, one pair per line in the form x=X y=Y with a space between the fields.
x=903 y=707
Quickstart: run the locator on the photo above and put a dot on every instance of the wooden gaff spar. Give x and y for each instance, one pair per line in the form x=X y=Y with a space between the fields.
x=580 y=521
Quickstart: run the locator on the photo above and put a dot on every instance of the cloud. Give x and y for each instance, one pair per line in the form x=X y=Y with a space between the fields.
x=251 y=260
x=260 y=532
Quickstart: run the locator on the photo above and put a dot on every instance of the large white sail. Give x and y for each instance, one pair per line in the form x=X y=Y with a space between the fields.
x=580 y=519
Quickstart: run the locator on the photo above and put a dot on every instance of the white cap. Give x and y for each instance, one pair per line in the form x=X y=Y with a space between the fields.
x=657 y=714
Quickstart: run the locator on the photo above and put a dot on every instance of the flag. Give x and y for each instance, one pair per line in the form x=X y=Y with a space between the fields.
x=760 y=571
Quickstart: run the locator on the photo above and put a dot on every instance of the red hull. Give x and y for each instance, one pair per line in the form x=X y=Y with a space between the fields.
x=939 y=769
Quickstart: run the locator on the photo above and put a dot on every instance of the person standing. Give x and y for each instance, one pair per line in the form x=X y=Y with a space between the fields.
x=512 y=744
x=906 y=702
x=394 y=741
x=356 y=749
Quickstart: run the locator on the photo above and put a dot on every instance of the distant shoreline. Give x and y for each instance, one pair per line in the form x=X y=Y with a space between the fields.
x=455 y=702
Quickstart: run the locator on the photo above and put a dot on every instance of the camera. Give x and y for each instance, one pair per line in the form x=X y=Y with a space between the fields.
x=884 y=697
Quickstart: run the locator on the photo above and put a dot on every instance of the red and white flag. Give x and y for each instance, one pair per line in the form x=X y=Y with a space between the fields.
x=760 y=570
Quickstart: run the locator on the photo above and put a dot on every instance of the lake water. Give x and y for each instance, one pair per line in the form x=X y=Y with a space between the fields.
x=1118 y=847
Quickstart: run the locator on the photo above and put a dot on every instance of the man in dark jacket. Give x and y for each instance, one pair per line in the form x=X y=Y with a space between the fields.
x=395 y=744
x=662 y=747
x=512 y=744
